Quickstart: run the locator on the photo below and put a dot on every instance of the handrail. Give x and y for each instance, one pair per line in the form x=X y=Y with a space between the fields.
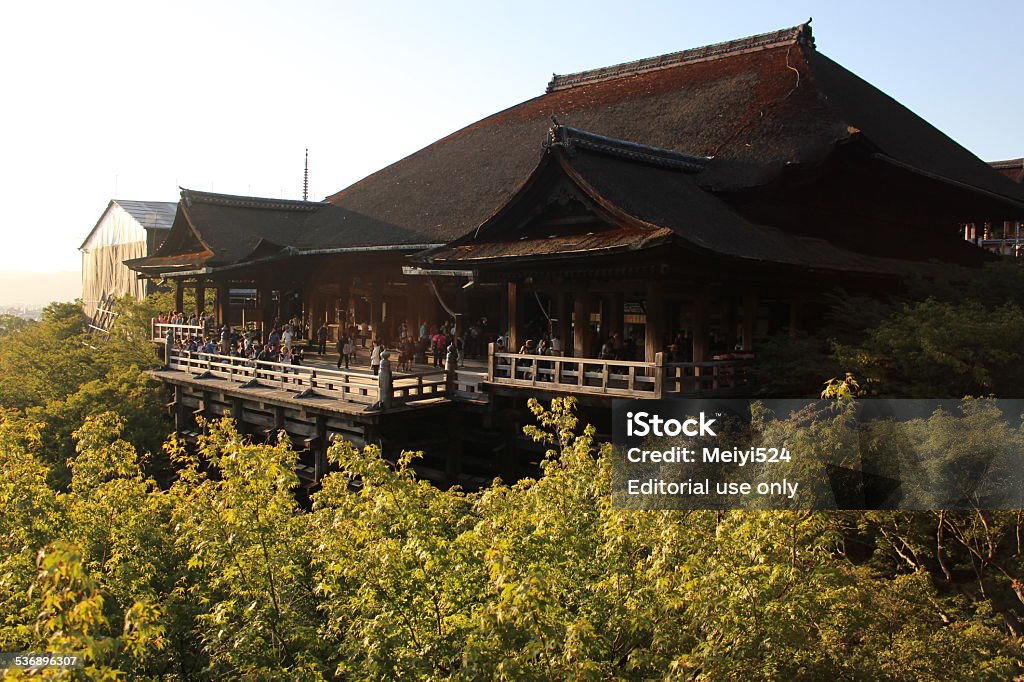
x=346 y=385
x=618 y=378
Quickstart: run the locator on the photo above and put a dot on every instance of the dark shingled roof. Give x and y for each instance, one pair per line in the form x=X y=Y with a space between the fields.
x=220 y=229
x=649 y=204
x=754 y=105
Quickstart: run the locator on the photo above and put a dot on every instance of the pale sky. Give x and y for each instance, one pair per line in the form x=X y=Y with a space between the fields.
x=129 y=100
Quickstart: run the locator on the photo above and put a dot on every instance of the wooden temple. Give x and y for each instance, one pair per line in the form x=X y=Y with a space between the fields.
x=683 y=205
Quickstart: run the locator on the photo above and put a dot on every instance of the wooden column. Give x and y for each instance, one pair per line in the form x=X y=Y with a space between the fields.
x=562 y=321
x=200 y=297
x=179 y=296
x=453 y=458
x=320 y=448
x=515 y=317
x=265 y=295
x=794 y=316
x=223 y=303
x=727 y=315
x=461 y=320
x=751 y=302
x=374 y=301
x=614 y=318
x=180 y=414
x=581 y=325
x=654 y=328
x=701 y=350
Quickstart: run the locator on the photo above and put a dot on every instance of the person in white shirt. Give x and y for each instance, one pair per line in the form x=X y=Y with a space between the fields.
x=287 y=336
x=375 y=358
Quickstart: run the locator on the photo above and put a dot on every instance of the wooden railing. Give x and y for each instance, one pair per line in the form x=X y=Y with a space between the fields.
x=714 y=377
x=180 y=331
x=616 y=378
x=469 y=385
x=309 y=381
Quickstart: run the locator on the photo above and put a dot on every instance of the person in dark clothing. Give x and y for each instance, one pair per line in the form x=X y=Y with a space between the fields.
x=321 y=337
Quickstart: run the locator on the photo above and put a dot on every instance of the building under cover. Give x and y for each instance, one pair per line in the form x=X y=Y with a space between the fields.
x=127 y=229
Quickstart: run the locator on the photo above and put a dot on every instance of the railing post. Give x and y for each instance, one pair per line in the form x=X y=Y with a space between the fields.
x=385 y=386
x=168 y=347
x=490 y=361
x=451 y=365
x=659 y=374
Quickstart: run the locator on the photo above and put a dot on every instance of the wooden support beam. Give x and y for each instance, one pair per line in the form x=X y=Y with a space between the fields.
x=701 y=349
x=320 y=449
x=179 y=296
x=794 y=316
x=200 y=297
x=453 y=458
x=223 y=303
x=612 y=321
x=727 y=315
x=654 y=329
x=751 y=303
x=180 y=412
x=563 y=323
x=581 y=325
x=515 y=317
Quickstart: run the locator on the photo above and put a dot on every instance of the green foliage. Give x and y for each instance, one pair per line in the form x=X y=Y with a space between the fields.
x=388 y=577
x=938 y=350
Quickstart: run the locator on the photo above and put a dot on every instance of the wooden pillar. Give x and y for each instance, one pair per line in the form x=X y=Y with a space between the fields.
x=581 y=337
x=223 y=303
x=374 y=302
x=794 y=316
x=200 y=297
x=654 y=328
x=614 y=317
x=751 y=302
x=180 y=415
x=462 y=321
x=562 y=321
x=515 y=317
x=701 y=350
x=453 y=458
x=727 y=315
x=179 y=296
x=265 y=295
x=320 y=449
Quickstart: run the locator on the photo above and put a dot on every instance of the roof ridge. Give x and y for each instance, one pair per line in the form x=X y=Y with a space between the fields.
x=1008 y=163
x=797 y=34
x=569 y=138
x=192 y=196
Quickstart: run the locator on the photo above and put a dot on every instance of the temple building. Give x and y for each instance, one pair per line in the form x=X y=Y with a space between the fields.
x=681 y=205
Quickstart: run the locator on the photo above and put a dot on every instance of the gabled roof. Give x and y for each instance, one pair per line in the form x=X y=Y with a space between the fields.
x=152 y=215
x=645 y=202
x=220 y=229
x=756 y=105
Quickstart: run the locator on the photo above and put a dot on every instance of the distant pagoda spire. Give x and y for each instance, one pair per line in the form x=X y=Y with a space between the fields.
x=305 y=178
